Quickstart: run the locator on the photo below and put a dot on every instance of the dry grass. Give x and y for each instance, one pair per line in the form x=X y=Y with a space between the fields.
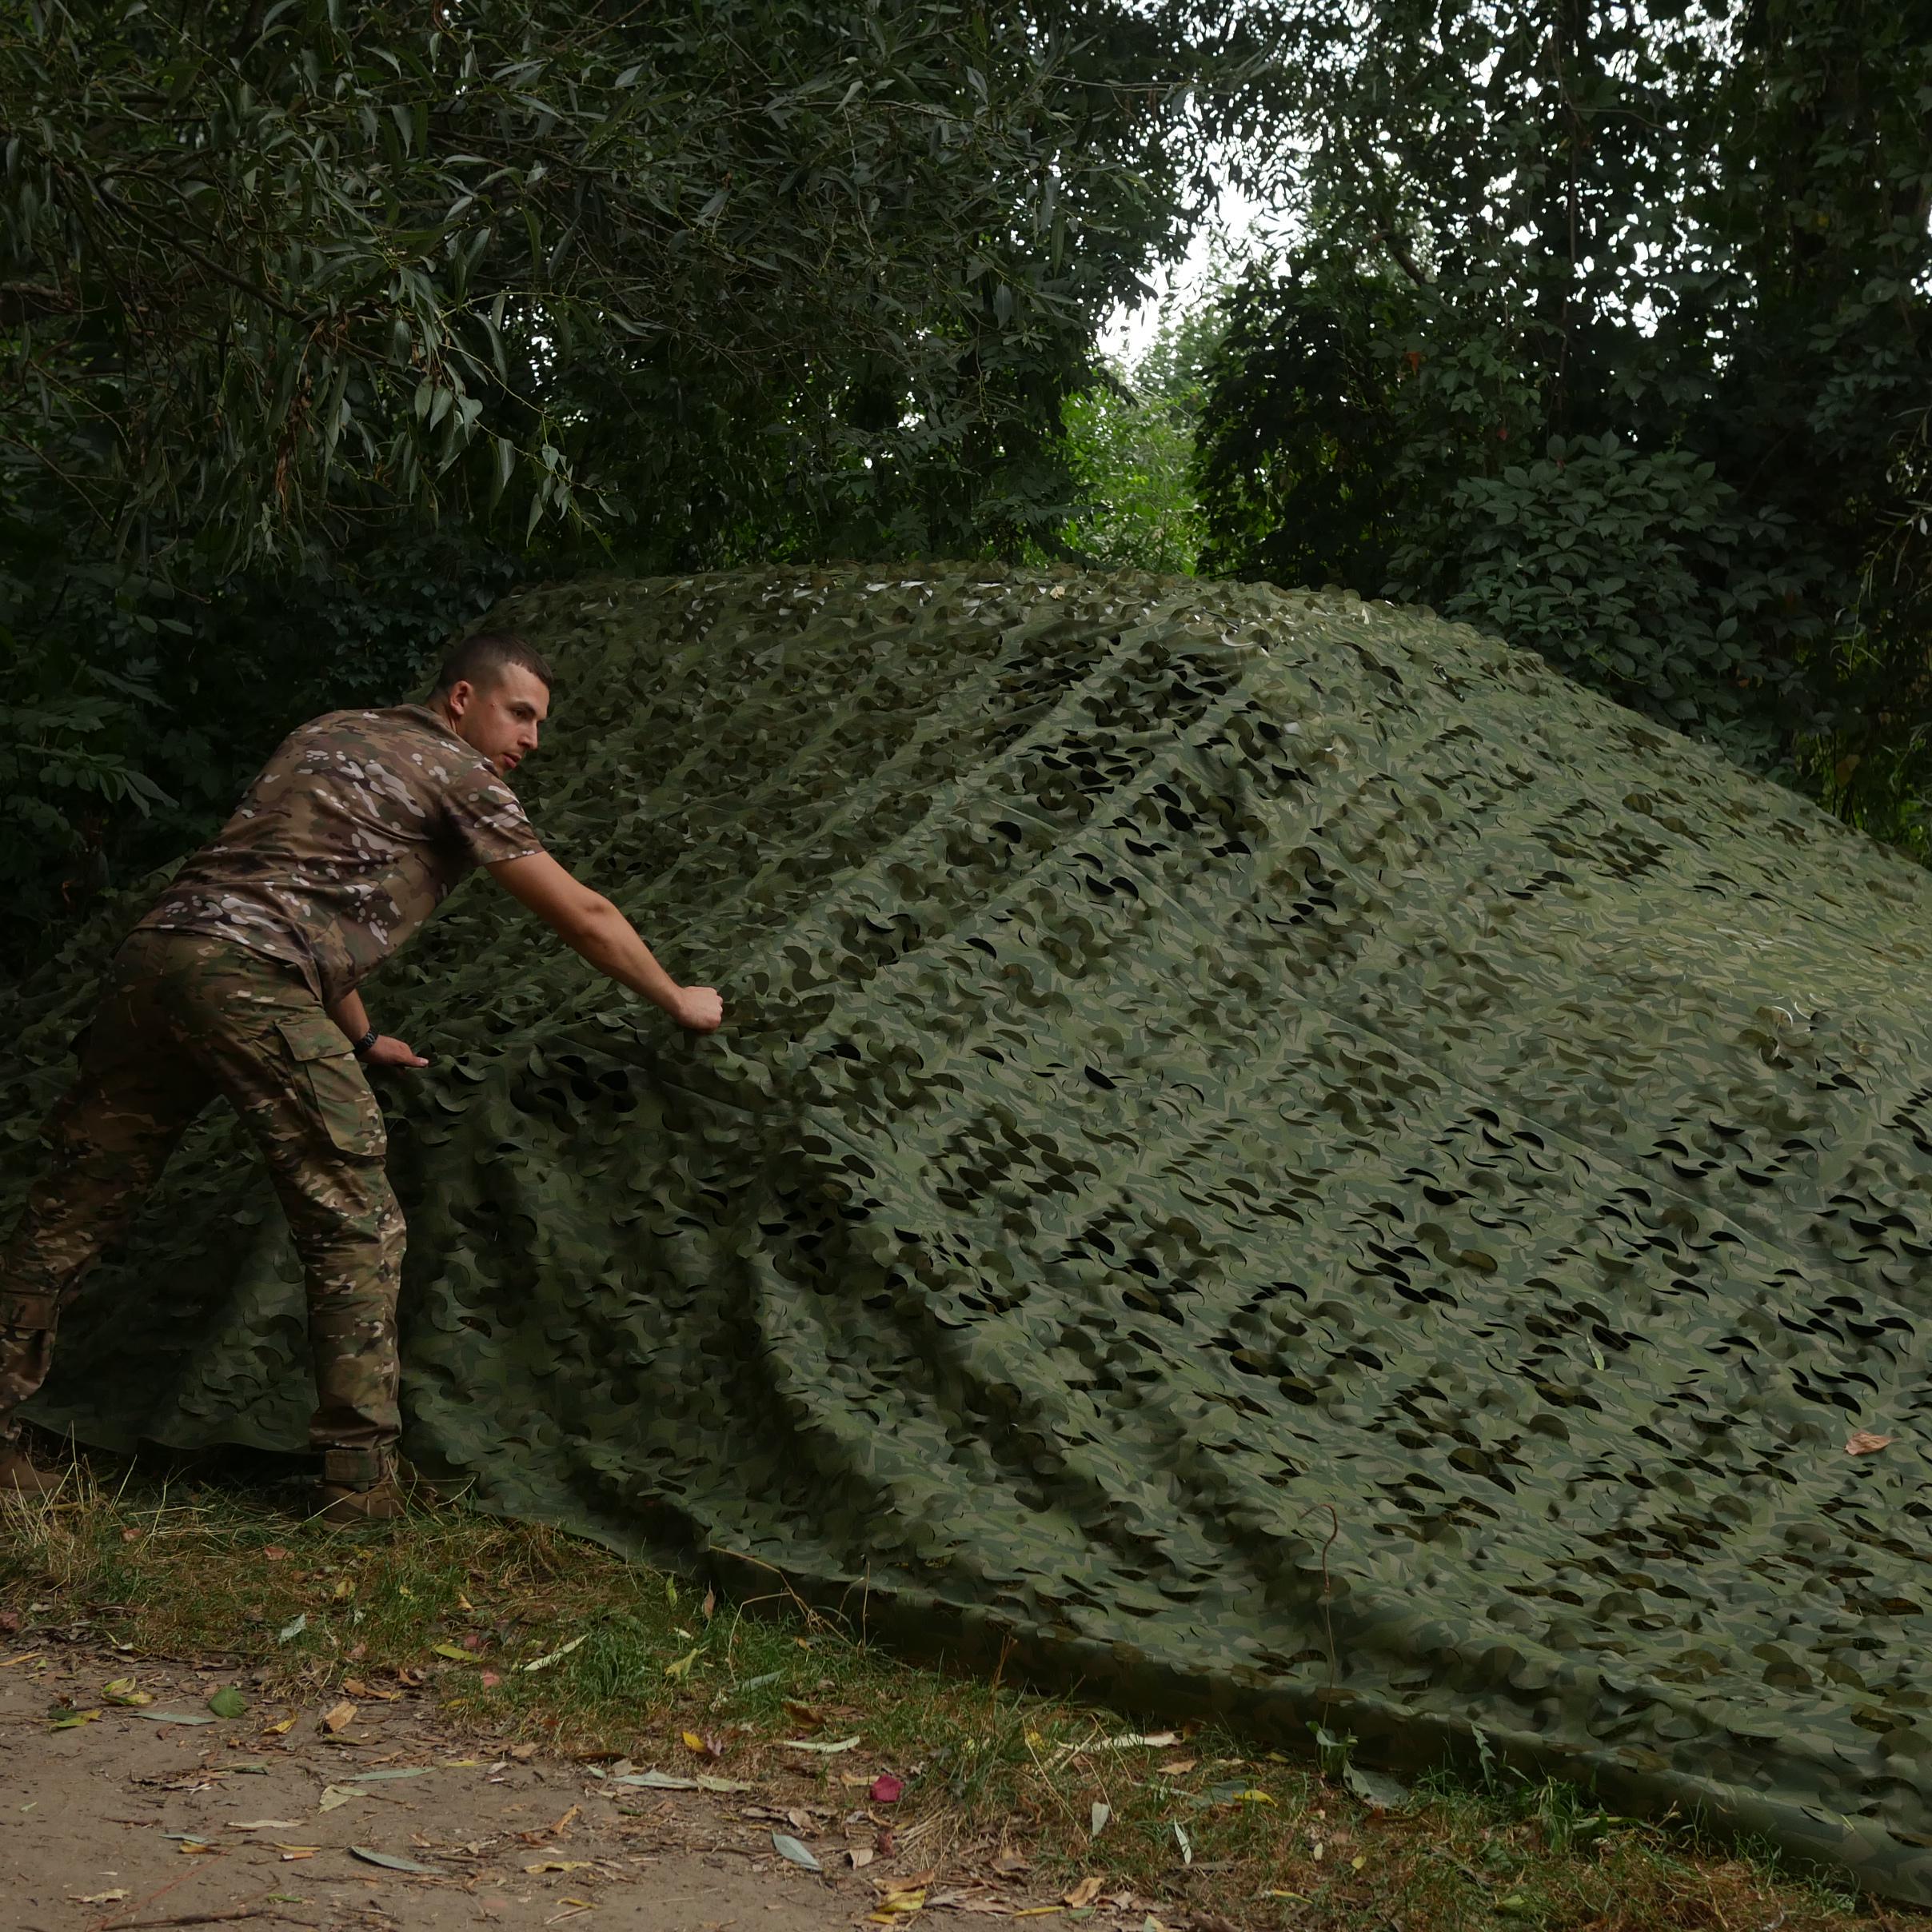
x=1205 y=1831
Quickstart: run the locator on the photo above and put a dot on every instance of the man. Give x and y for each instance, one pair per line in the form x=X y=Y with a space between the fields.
x=241 y=981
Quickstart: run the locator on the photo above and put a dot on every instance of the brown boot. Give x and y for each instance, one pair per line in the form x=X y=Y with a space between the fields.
x=344 y=1508
x=18 y=1477
x=359 y=1486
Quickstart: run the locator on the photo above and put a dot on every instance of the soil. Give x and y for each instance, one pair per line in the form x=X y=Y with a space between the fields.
x=125 y=1820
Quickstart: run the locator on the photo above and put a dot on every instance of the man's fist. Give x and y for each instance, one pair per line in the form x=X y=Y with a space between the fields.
x=389 y=1052
x=699 y=1009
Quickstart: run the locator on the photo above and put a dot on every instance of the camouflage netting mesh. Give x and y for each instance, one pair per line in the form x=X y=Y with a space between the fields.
x=1198 y=1058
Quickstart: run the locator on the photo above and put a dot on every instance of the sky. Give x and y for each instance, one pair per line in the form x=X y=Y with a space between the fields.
x=1235 y=227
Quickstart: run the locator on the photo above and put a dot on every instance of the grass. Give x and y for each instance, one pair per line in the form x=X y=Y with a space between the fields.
x=1207 y=1831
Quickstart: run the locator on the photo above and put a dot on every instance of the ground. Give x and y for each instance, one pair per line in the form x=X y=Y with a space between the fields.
x=523 y=1676
x=129 y=1819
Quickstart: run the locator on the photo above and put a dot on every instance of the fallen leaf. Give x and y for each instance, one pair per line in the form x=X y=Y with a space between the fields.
x=804 y=1715
x=25 y=1656
x=282 y=1726
x=544 y=1663
x=100 y=1898
x=898 y=1905
x=339 y=1718
x=524 y=1753
x=195 y=1845
x=1358 y=1860
x=706 y=1782
x=1009 y=1865
x=710 y=1604
x=173 y=1717
x=788 y=1847
x=692 y=1741
x=1160 y=1740
x=390 y=1861
x=1097 y=1817
x=289 y=1631
x=549 y=1865
x=1084 y=1893
x=344 y=1590
x=887 y=1790
x=1177 y=1767
x=677 y=1672
x=860 y=1857
x=274 y=1553
x=489 y=1680
x=456 y=1655
x=1187 y=1843
x=263 y=1824
x=228 y=1703
x=392 y=1771
x=123 y=1691
x=1865 y=1444
x=335 y=1794
x=827 y=1750
x=661 y=1781
x=74 y=1719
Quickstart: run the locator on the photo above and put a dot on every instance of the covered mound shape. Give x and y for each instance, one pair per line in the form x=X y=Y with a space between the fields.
x=1246 y=1123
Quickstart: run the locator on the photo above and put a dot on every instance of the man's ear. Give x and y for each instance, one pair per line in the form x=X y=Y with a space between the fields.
x=459 y=697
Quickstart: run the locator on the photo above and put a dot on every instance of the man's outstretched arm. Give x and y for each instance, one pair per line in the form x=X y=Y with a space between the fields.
x=590 y=924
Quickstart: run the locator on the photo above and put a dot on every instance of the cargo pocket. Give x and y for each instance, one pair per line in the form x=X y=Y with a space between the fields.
x=328 y=1084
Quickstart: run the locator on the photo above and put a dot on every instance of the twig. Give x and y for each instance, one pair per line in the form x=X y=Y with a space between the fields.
x=1327 y=1596
x=101 y=1924
x=194 y=1918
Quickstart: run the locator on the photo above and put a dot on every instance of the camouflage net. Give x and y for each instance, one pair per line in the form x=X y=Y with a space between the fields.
x=1224 y=1092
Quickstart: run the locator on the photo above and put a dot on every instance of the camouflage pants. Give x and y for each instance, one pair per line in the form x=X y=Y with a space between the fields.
x=181 y=1020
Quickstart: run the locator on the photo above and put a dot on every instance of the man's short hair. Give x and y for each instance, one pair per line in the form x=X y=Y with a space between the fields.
x=482 y=660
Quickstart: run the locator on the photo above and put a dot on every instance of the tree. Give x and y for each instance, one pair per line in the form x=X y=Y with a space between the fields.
x=1610 y=330
x=285 y=288
x=1131 y=443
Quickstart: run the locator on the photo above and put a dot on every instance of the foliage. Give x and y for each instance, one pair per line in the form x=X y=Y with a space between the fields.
x=285 y=288
x=1609 y=329
x=1130 y=442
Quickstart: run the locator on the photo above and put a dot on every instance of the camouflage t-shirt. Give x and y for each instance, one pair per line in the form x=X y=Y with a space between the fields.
x=358 y=826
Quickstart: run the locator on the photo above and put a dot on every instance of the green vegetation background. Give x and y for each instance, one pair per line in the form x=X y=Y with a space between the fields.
x=1603 y=328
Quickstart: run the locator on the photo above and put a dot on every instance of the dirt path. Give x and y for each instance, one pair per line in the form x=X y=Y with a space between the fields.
x=124 y=1820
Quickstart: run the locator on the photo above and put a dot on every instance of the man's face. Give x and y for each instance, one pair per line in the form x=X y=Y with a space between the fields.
x=500 y=720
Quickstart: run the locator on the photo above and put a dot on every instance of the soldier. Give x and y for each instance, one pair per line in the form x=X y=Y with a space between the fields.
x=241 y=981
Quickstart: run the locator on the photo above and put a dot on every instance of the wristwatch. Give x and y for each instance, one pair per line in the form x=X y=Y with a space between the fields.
x=362 y=1047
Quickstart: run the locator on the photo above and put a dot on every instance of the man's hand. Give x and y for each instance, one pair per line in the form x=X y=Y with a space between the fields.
x=699 y=1009
x=389 y=1052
